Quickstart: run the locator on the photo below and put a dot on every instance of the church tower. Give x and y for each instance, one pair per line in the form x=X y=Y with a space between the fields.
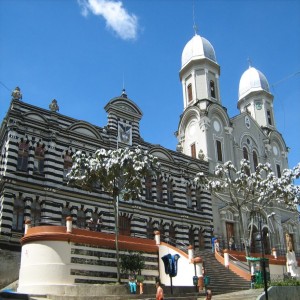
x=204 y=124
x=199 y=74
x=256 y=99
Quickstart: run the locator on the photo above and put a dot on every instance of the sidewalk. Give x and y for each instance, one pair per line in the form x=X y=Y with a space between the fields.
x=242 y=295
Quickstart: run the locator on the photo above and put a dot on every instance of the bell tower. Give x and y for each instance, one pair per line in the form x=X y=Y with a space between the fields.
x=199 y=74
x=255 y=98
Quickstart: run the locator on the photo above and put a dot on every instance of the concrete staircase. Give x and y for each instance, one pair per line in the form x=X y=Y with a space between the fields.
x=222 y=280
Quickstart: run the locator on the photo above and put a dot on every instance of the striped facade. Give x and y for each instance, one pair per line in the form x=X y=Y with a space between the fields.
x=34 y=186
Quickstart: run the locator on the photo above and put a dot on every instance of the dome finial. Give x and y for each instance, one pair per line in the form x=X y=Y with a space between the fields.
x=249 y=62
x=124 y=95
x=195 y=27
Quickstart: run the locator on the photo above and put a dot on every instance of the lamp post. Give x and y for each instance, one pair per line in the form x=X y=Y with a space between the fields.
x=263 y=259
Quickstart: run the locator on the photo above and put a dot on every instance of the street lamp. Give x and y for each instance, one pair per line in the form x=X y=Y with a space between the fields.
x=263 y=264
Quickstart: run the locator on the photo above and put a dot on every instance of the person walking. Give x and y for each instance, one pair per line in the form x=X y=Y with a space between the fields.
x=213 y=244
x=159 y=291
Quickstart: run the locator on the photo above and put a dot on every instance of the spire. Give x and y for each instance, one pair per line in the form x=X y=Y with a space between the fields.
x=195 y=27
x=249 y=62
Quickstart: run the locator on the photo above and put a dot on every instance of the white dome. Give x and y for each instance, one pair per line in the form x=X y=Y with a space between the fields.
x=252 y=80
x=197 y=48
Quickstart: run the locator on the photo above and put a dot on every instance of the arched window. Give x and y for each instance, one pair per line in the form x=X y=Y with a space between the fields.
x=255 y=160
x=148 y=188
x=246 y=156
x=245 y=153
x=198 y=199
x=124 y=225
x=161 y=229
x=159 y=190
x=191 y=237
x=39 y=159
x=190 y=92
x=219 y=151
x=35 y=213
x=23 y=156
x=189 y=197
x=193 y=150
x=81 y=221
x=67 y=163
x=172 y=234
x=278 y=170
x=170 y=192
x=212 y=89
x=18 y=214
x=150 y=230
x=201 y=240
x=269 y=117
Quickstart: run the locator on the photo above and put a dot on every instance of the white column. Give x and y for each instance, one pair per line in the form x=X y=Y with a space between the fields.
x=157 y=237
x=27 y=226
x=190 y=253
x=69 y=224
x=226 y=258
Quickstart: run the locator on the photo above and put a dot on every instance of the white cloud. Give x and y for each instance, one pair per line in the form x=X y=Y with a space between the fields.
x=117 y=18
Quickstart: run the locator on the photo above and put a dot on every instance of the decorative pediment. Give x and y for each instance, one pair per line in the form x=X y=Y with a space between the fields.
x=161 y=153
x=36 y=117
x=123 y=106
x=86 y=129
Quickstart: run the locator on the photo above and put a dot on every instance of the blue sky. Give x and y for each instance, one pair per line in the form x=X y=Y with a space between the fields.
x=80 y=53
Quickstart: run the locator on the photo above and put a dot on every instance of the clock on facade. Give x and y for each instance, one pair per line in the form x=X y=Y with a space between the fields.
x=258 y=105
x=275 y=150
x=217 y=126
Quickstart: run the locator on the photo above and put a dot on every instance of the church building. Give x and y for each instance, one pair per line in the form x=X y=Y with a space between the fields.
x=37 y=145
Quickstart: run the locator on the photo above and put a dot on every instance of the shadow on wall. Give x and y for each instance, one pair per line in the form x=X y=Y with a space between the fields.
x=9 y=267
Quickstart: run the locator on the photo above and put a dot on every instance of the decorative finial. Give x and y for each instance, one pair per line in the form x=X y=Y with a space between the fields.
x=53 y=106
x=195 y=27
x=16 y=94
x=124 y=95
x=249 y=62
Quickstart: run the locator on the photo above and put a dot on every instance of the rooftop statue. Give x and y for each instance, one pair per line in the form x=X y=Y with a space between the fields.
x=16 y=94
x=53 y=106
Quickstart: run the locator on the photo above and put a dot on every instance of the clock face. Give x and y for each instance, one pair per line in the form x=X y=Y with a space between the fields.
x=217 y=125
x=258 y=105
x=247 y=122
x=275 y=150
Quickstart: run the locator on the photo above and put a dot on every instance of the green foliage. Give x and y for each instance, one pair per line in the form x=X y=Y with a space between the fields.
x=132 y=262
x=286 y=282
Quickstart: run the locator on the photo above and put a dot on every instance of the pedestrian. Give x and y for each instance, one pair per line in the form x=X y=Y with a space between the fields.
x=213 y=244
x=159 y=291
x=99 y=222
x=231 y=243
x=217 y=245
x=208 y=295
x=132 y=285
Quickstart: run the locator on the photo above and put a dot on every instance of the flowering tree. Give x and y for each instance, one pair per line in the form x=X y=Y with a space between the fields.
x=245 y=191
x=119 y=172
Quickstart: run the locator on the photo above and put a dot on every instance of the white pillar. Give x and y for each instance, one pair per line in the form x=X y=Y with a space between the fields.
x=27 y=226
x=226 y=258
x=157 y=237
x=69 y=224
x=190 y=253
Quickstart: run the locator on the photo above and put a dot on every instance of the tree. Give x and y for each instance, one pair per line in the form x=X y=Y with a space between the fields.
x=119 y=172
x=251 y=192
x=132 y=262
